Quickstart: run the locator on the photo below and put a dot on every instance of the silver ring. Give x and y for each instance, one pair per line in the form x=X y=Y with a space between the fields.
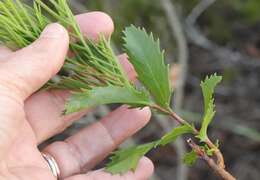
x=52 y=165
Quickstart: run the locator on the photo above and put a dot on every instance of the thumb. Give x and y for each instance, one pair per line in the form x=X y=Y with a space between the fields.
x=29 y=68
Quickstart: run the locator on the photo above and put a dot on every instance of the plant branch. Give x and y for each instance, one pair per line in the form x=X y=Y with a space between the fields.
x=218 y=154
x=220 y=159
x=211 y=163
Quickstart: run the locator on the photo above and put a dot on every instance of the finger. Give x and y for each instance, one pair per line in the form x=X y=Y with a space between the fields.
x=44 y=113
x=91 y=145
x=128 y=67
x=4 y=52
x=92 y=24
x=143 y=171
x=29 y=68
x=46 y=106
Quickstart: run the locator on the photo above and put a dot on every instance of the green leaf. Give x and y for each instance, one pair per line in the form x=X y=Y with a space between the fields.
x=208 y=87
x=148 y=60
x=176 y=132
x=106 y=95
x=210 y=151
x=190 y=158
x=206 y=121
x=127 y=159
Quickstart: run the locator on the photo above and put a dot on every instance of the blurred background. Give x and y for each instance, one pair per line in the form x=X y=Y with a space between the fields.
x=200 y=37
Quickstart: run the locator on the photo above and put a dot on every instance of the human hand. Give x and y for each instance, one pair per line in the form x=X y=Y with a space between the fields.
x=27 y=120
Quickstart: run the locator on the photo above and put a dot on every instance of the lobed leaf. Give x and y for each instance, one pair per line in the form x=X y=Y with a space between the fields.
x=126 y=159
x=176 y=132
x=106 y=95
x=148 y=60
x=190 y=158
x=208 y=87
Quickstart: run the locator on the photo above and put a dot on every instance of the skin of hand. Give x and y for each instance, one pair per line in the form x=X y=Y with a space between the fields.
x=28 y=118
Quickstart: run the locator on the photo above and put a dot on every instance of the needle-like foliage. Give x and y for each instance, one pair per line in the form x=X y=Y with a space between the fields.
x=94 y=64
x=20 y=24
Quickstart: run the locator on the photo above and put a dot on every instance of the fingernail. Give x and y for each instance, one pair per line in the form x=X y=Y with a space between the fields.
x=54 y=30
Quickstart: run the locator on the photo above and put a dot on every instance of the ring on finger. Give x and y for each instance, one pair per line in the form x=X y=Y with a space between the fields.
x=52 y=165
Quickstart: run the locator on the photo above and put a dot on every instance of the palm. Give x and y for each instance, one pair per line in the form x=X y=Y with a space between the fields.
x=24 y=161
x=27 y=120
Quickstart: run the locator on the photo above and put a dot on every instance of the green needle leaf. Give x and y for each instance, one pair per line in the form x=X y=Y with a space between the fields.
x=148 y=60
x=208 y=87
x=106 y=95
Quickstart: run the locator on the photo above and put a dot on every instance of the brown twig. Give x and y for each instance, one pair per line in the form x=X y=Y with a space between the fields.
x=218 y=167
x=218 y=154
x=211 y=163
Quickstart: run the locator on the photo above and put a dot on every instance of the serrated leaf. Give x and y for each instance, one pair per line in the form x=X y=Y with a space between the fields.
x=206 y=120
x=208 y=87
x=106 y=95
x=176 y=132
x=148 y=60
x=127 y=159
x=190 y=158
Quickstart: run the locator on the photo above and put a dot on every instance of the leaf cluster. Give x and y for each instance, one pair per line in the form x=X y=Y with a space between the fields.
x=128 y=157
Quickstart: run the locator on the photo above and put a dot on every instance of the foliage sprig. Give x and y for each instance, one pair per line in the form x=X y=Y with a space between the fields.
x=95 y=76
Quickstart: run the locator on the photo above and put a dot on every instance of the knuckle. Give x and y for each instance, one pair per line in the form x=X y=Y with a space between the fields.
x=76 y=153
x=44 y=57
